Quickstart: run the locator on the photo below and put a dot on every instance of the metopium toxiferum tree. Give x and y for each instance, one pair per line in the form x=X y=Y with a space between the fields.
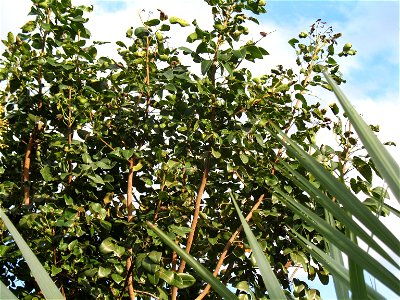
x=96 y=147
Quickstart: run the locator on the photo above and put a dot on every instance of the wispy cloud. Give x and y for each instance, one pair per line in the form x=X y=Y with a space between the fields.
x=110 y=6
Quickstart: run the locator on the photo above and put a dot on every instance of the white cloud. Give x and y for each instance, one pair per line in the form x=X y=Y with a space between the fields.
x=13 y=14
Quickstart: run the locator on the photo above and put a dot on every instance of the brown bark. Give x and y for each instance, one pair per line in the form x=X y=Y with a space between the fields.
x=195 y=218
x=70 y=132
x=129 y=206
x=25 y=176
x=229 y=244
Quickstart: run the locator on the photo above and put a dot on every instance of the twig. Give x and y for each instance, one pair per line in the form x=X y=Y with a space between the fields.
x=228 y=245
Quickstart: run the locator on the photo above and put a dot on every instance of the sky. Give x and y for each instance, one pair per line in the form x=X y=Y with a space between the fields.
x=371 y=26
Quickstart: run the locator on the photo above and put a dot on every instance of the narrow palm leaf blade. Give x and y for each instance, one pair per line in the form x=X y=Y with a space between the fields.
x=42 y=278
x=201 y=271
x=334 y=236
x=356 y=272
x=337 y=270
x=334 y=209
x=383 y=161
x=337 y=189
x=271 y=282
x=5 y=293
x=342 y=291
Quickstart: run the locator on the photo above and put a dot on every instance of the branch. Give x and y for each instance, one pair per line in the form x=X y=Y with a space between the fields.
x=228 y=245
x=195 y=218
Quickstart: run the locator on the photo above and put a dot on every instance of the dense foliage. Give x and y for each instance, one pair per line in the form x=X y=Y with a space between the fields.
x=95 y=147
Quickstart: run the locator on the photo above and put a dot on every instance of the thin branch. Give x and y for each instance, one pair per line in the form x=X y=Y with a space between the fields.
x=195 y=218
x=129 y=206
x=228 y=245
x=69 y=132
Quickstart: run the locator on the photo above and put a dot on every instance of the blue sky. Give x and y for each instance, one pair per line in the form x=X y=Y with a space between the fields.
x=371 y=26
x=365 y=24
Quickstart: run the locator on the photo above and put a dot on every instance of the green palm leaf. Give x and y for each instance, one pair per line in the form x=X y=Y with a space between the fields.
x=191 y=261
x=42 y=278
x=383 y=161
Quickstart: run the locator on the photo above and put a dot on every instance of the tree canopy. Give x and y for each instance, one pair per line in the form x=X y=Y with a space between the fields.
x=94 y=147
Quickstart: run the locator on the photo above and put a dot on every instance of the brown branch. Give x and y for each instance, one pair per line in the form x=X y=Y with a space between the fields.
x=147 y=79
x=229 y=244
x=298 y=266
x=129 y=265
x=36 y=129
x=69 y=132
x=26 y=168
x=195 y=219
x=129 y=206
x=174 y=258
x=296 y=106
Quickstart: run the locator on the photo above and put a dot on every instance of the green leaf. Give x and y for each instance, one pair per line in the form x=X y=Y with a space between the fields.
x=166 y=275
x=293 y=42
x=117 y=278
x=191 y=37
x=244 y=158
x=205 y=66
x=179 y=230
x=215 y=153
x=254 y=51
x=165 y=27
x=96 y=179
x=137 y=167
x=334 y=108
x=28 y=27
x=55 y=270
x=175 y=20
x=108 y=245
x=152 y=22
x=201 y=271
x=259 y=140
x=86 y=158
x=183 y=280
x=300 y=97
x=47 y=286
x=104 y=164
x=141 y=32
x=228 y=68
x=271 y=282
x=46 y=173
x=103 y=272
x=331 y=61
x=241 y=53
x=155 y=256
x=127 y=154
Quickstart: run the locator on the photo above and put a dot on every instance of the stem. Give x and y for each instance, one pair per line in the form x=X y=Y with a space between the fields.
x=296 y=106
x=195 y=218
x=26 y=167
x=213 y=71
x=69 y=132
x=147 y=79
x=298 y=266
x=38 y=127
x=129 y=206
x=228 y=245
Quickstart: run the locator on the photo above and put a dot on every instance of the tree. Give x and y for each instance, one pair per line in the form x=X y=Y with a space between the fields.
x=103 y=146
